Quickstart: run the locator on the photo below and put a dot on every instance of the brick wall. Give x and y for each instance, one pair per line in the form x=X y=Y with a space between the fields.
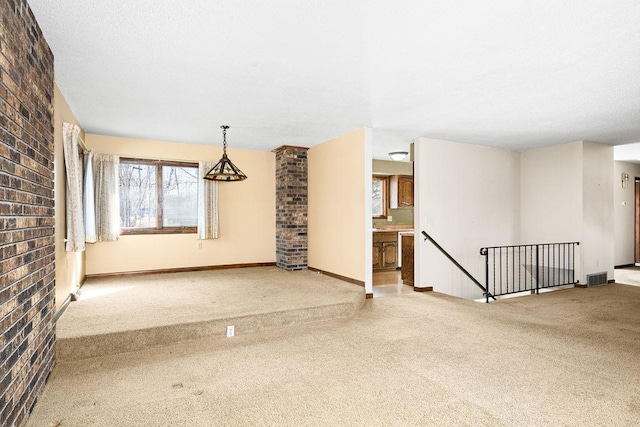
x=27 y=309
x=291 y=207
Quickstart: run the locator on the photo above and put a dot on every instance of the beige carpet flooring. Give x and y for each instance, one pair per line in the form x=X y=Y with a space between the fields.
x=570 y=357
x=120 y=303
x=117 y=314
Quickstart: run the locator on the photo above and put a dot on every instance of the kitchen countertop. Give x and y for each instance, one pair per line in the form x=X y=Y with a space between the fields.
x=398 y=228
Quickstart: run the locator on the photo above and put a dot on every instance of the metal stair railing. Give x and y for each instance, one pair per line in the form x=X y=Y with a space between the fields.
x=522 y=268
x=485 y=292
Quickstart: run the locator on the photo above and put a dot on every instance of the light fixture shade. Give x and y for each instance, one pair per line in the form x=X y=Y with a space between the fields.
x=225 y=170
x=398 y=156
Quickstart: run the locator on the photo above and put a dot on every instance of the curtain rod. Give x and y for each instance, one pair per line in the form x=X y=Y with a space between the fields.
x=82 y=144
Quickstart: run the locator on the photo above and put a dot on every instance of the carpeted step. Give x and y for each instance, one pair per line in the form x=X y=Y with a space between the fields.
x=83 y=347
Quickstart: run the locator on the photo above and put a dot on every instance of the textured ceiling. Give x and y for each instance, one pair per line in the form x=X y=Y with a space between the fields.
x=511 y=73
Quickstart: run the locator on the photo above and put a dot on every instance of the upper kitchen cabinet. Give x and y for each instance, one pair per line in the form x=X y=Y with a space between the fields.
x=405 y=191
x=401 y=191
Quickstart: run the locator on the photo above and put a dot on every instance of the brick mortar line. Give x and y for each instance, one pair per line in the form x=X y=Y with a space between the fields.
x=38 y=374
x=32 y=238
x=11 y=284
x=18 y=165
x=20 y=305
x=31 y=113
x=35 y=339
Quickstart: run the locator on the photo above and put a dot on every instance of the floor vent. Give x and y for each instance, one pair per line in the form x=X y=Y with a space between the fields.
x=597 y=279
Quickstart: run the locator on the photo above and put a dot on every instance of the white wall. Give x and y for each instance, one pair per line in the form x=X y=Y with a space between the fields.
x=567 y=195
x=623 y=212
x=551 y=198
x=471 y=196
x=597 y=238
x=468 y=198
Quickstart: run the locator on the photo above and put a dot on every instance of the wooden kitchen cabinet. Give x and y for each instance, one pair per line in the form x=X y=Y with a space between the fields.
x=405 y=191
x=400 y=191
x=390 y=255
x=407 y=258
x=385 y=250
x=377 y=256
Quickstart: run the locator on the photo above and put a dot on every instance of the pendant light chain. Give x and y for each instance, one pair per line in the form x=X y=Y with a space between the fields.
x=225 y=170
x=224 y=138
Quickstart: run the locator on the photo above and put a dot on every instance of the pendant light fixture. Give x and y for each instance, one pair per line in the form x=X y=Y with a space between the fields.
x=224 y=170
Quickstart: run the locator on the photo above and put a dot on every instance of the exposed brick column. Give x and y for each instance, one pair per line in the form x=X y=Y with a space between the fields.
x=291 y=207
x=27 y=309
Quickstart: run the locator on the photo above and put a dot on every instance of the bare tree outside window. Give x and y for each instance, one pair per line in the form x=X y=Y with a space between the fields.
x=179 y=196
x=158 y=197
x=138 y=195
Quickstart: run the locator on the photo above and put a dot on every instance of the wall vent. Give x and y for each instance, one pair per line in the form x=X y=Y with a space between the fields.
x=597 y=279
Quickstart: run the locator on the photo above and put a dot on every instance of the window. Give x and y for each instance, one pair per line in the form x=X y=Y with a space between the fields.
x=379 y=196
x=158 y=196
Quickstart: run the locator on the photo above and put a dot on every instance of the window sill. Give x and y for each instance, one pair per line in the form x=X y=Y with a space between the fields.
x=134 y=231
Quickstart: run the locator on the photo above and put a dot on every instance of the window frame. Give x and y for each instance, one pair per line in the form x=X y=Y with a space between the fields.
x=159 y=229
x=385 y=195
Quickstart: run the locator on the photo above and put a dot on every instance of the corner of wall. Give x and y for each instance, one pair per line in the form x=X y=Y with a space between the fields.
x=337 y=217
x=368 y=236
x=597 y=246
x=27 y=214
x=70 y=266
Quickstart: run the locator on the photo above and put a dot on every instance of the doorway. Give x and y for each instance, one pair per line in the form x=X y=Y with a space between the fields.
x=636 y=210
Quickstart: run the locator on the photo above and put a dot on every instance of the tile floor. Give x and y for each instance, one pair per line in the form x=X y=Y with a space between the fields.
x=388 y=283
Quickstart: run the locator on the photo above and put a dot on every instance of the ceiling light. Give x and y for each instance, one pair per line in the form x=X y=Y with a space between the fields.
x=224 y=170
x=398 y=156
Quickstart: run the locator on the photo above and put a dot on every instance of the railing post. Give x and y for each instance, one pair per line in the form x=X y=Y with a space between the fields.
x=573 y=261
x=537 y=269
x=485 y=252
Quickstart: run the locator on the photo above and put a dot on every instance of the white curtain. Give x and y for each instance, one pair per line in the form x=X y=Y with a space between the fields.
x=208 y=225
x=74 y=214
x=89 y=200
x=107 y=203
